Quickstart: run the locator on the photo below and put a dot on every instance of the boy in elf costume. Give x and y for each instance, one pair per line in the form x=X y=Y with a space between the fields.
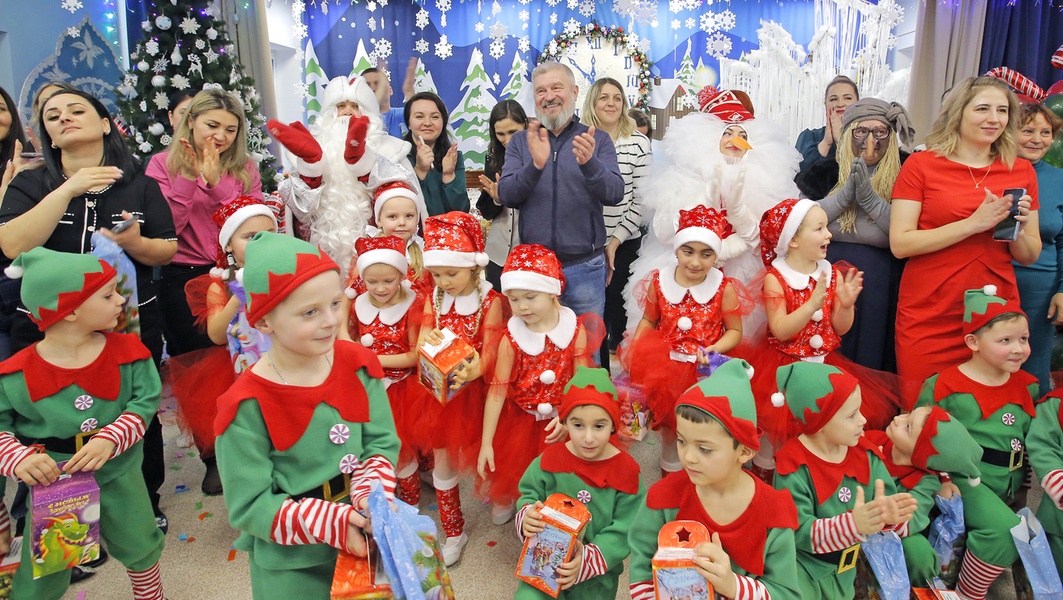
x=752 y=525
x=591 y=469
x=104 y=397
x=1045 y=445
x=305 y=430
x=994 y=400
x=826 y=469
x=922 y=450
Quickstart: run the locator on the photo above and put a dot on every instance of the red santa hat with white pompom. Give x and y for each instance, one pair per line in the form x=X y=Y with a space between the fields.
x=532 y=267
x=701 y=224
x=454 y=239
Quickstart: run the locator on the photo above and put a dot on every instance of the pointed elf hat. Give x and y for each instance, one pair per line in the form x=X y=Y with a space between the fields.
x=591 y=386
x=728 y=398
x=701 y=224
x=230 y=217
x=982 y=305
x=54 y=283
x=532 y=267
x=944 y=445
x=276 y=265
x=779 y=225
x=454 y=239
x=724 y=104
x=813 y=392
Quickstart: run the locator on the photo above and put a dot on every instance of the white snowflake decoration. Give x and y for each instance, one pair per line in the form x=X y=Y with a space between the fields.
x=179 y=81
x=443 y=5
x=165 y=140
x=381 y=47
x=573 y=4
x=523 y=15
x=572 y=27
x=421 y=46
x=525 y=1
x=371 y=23
x=552 y=2
x=496 y=79
x=71 y=5
x=553 y=18
x=676 y=24
x=160 y=65
x=299 y=31
x=200 y=44
x=709 y=22
x=586 y=7
x=523 y=43
x=421 y=18
x=690 y=23
x=718 y=45
x=302 y=89
x=444 y=49
x=210 y=55
x=324 y=7
x=161 y=100
x=298 y=8
x=497 y=48
x=151 y=47
x=479 y=27
x=499 y=31
x=495 y=8
x=73 y=31
x=189 y=25
x=726 y=20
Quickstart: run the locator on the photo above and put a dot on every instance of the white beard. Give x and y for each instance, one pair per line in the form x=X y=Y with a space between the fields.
x=554 y=123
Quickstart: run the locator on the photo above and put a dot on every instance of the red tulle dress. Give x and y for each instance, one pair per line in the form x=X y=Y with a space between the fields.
x=664 y=360
x=386 y=332
x=458 y=425
x=535 y=368
x=816 y=342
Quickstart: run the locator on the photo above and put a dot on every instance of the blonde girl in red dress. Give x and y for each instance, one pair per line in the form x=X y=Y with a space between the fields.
x=542 y=345
x=386 y=319
x=464 y=303
x=689 y=309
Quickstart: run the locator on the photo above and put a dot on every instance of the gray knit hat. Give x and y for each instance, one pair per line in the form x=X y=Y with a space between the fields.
x=890 y=113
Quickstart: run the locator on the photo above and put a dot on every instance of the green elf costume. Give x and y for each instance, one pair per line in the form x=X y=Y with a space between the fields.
x=998 y=418
x=824 y=492
x=52 y=409
x=760 y=542
x=1044 y=443
x=610 y=489
x=944 y=450
x=289 y=455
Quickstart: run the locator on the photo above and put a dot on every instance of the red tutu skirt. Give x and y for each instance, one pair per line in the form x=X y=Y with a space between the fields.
x=519 y=438
x=879 y=391
x=197 y=379
x=401 y=395
x=456 y=426
x=662 y=379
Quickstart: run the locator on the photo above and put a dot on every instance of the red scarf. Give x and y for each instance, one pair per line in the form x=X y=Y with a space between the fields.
x=990 y=398
x=101 y=379
x=620 y=472
x=826 y=477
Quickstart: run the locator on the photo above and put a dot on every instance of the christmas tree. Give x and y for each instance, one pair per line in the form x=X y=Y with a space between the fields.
x=686 y=72
x=474 y=111
x=316 y=81
x=422 y=80
x=361 y=60
x=185 y=47
x=517 y=77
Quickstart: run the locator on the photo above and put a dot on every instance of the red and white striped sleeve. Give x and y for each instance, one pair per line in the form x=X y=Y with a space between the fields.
x=749 y=589
x=11 y=453
x=126 y=430
x=5 y=517
x=518 y=520
x=312 y=521
x=1053 y=485
x=835 y=533
x=901 y=530
x=642 y=590
x=593 y=563
x=374 y=468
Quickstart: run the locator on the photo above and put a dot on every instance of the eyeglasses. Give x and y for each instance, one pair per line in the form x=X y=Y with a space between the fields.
x=880 y=133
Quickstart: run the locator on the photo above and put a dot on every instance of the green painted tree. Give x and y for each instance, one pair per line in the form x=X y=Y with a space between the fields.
x=474 y=112
x=361 y=60
x=686 y=71
x=518 y=78
x=316 y=81
x=185 y=47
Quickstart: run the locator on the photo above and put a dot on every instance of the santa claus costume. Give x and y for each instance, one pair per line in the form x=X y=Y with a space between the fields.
x=333 y=160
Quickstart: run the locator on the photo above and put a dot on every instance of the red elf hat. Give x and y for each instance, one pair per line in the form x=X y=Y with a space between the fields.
x=590 y=386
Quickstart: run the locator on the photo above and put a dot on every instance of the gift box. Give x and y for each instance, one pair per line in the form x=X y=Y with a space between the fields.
x=439 y=363
x=564 y=520
x=8 y=566
x=359 y=577
x=65 y=522
x=674 y=575
x=634 y=414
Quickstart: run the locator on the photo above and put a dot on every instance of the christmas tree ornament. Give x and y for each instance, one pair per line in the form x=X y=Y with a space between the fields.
x=163 y=22
x=176 y=57
x=143 y=65
x=156 y=129
x=158 y=81
x=212 y=34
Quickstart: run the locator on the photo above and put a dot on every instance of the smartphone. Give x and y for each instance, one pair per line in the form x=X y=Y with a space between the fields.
x=119 y=228
x=1008 y=229
x=29 y=154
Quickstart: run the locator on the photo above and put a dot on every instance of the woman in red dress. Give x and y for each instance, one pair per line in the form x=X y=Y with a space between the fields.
x=946 y=203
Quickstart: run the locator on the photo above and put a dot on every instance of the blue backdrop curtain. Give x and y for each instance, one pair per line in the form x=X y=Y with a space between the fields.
x=1022 y=35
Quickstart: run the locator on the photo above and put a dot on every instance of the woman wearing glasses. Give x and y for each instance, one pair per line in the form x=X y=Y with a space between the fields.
x=858 y=207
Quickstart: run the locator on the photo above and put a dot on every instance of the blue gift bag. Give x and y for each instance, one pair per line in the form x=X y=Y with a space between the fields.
x=110 y=252
x=409 y=550
x=1036 y=557
x=946 y=528
x=886 y=557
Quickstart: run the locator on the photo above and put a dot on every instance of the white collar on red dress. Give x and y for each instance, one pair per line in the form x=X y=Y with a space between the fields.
x=702 y=292
x=467 y=304
x=800 y=281
x=533 y=342
x=389 y=315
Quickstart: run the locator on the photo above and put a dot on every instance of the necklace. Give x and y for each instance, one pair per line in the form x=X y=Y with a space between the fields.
x=978 y=183
x=273 y=365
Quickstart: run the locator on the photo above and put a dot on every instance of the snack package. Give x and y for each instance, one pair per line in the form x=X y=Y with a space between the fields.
x=674 y=575
x=8 y=566
x=634 y=414
x=439 y=363
x=65 y=519
x=359 y=577
x=564 y=519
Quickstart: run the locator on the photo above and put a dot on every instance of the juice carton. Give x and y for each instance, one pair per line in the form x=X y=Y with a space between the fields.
x=65 y=519
x=438 y=364
x=674 y=575
x=634 y=414
x=564 y=520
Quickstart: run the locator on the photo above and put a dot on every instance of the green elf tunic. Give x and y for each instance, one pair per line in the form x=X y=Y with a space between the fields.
x=1045 y=445
x=611 y=491
x=825 y=494
x=119 y=391
x=998 y=418
x=760 y=542
x=919 y=555
x=277 y=445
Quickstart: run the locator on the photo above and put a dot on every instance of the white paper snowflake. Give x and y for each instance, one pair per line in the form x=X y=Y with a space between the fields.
x=161 y=100
x=572 y=27
x=525 y=1
x=718 y=45
x=496 y=79
x=644 y=45
x=73 y=31
x=299 y=31
x=676 y=24
x=709 y=22
x=690 y=23
x=497 y=48
x=71 y=5
x=302 y=90
x=298 y=8
x=495 y=8
x=165 y=140
x=421 y=46
x=210 y=55
x=151 y=47
x=524 y=43
x=523 y=15
x=479 y=27
x=553 y=18
x=179 y=81
x=189 y=25
x=381 y=47
x=371 y=23
x=499 y=31
x=553 y=2
x=586 y=7
x=573 y=4
x=200 y=44
x=443 y=5
x=726 y=20
x=444 y=49
x=421 y=18
x=160 y=65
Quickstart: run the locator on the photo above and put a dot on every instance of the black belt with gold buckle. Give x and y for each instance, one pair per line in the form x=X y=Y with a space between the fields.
x=1011 y=459
x=68 y=445
x=333 y=490
x=845 y=559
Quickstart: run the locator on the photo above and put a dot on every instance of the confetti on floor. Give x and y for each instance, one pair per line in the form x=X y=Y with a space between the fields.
x=180 y=455
x=199 y=506
x=180 y=489
x=182 y=536
x=82 y=595
x=232 y=555
x=491 y=544
x=191 y=539
x=203 y=515
x=175 y=467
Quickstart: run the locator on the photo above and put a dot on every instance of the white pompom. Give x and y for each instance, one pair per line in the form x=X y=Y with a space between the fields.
x=749 y=370
x=350 y=292
x=367 y=340
x=684 y=324
x=990 y=290
x=778 y=399
x=545 y=408
x=974 y=481
x=217 y=272
x=817 y=316
x=14 y=272
x=156 y=129
x=482 y=259
x=240 y=276
x=548 y=377
x=816 y=342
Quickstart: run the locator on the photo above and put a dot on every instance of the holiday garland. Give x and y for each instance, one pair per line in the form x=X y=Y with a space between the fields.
x=618 y=36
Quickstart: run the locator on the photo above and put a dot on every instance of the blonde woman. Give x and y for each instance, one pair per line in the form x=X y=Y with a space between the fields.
x=946 y=203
